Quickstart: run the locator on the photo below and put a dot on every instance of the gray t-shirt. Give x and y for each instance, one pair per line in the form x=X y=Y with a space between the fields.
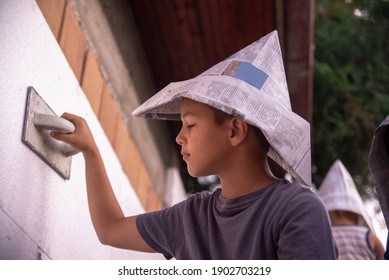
x=280 y=221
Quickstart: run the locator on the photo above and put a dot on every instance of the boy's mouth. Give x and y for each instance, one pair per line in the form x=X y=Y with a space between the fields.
x=185 y=156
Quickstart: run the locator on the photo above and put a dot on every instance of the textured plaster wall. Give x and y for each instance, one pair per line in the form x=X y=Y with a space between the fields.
x=43 y=216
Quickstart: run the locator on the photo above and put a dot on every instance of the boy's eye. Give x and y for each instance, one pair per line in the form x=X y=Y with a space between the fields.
x=190 y=125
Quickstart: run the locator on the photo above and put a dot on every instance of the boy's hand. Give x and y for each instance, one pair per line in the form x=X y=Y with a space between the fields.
x=81 y=138
x=111 y=226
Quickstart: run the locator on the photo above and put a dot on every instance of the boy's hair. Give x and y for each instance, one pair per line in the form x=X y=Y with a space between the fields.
x=351 y=216
x=221 y=117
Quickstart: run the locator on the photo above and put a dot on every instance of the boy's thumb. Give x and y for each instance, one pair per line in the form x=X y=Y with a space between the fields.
x=57 y=135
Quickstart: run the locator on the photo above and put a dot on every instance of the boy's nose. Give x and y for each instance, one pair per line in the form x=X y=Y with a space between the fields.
x=179 y=138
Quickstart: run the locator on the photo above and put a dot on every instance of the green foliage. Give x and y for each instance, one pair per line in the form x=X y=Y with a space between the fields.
x=351 y=83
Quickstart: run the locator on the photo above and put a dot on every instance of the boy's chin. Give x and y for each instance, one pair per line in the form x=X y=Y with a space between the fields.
x=197 y=173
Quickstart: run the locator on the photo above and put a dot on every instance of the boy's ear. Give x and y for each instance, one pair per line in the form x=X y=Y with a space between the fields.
x=238 y=130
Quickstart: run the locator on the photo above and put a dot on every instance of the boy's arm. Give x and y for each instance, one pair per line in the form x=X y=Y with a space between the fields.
x=377 y=246
x=110 y=224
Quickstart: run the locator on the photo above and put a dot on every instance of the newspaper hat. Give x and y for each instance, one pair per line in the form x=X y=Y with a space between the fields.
x=338 y=192
x=379 y=166
x=250 y=84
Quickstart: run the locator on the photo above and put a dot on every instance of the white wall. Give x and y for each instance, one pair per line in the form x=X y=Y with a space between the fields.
x=41 y=214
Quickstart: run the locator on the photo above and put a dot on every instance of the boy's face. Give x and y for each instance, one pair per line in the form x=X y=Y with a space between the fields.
x=204 y=143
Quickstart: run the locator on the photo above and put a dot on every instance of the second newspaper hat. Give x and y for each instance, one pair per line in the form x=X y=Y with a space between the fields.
x=250 y=84
x=338 y=192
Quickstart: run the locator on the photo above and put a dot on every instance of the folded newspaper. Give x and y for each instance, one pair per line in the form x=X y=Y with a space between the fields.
x=251 y=84
x=379 y=166
x=339 y=192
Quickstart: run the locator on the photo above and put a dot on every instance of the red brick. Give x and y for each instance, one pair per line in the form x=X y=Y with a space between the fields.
x=144 y=188
x=121 y=138
x=109 y=115
x=134 y=167
x=53 y=11
x=154 y=202
x=132 y=164
x=92 y=81
x=73 y=41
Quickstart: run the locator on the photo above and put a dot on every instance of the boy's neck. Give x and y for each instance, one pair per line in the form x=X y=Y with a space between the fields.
x=245 y=180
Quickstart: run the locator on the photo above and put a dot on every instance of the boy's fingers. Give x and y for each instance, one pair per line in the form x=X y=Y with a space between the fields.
x=66 y=136
x=60 y=136
x=70 y=117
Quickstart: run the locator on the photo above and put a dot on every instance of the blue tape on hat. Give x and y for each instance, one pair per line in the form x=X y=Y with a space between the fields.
x=249 y=73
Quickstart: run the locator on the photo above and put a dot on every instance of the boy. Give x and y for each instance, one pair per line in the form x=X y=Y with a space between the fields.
x=253 y=215
x=351 y=225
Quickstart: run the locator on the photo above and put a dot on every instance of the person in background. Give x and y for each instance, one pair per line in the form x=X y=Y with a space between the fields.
x=379 y=169
x=351 y=225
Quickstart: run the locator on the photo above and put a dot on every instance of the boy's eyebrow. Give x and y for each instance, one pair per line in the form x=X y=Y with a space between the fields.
x=186 y=114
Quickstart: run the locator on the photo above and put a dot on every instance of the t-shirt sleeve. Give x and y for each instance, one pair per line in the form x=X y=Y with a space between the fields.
x=306 y=229
x=161 y=230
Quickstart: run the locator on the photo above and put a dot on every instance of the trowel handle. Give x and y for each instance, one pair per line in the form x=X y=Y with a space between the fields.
x=50 y=122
